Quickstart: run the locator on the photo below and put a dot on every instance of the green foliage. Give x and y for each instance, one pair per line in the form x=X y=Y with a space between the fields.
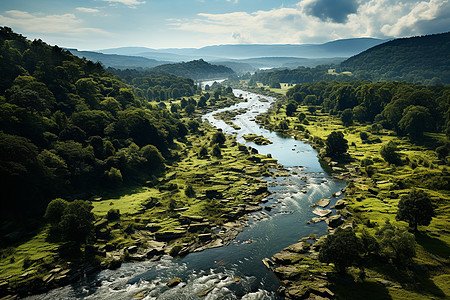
x=347 y=117
x=291 y=107
x=189 y=191
x=415 y=208
x=77 y=221
x=196 y=69
x=389 y=153
x=218 y=138
x=397 y=244
x=55 y=211
x=369 y=244
x=415 y=59
x=114 y=177
x=216 y=151
x=71 y=122
x=70 y=221
x=363 y=135
x=336 y=145
x=113 y=214
x=203 y=152
x=341 y=248
x=415 y=120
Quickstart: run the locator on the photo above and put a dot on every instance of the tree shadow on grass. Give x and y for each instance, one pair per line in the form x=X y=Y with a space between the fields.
x=433 y=245
x=415 y=278
x=346 y=288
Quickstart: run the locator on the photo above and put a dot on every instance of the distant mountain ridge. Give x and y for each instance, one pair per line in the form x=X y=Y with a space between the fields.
x=423 y=59
x=118 y=61
x=338 y=48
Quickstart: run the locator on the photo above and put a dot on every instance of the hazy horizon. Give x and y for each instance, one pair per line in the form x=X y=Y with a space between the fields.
x=102 y=24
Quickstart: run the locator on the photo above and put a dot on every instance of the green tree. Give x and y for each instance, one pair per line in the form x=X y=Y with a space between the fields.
x=415 y=208
x=203 y=152
x=347 y=117
x=189 y=191
x=55 y=210
x=389 y=153
x=396 y=243
x=415 y=120
x=77 y=221
x=291 y=107
x=336 y=145
x=189 y=109
x=216 y=151
x=218 y=138
x=341 y=248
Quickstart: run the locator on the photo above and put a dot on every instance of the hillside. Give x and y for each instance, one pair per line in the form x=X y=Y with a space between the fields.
x=197 y=69
x=69 y=127
x=421 y=59
x=118 y=61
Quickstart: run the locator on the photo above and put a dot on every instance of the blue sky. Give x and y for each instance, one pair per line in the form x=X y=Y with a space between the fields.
x=100 y=24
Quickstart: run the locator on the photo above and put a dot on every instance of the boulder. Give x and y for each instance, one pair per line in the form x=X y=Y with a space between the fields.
x=323 y=202
x=337 y=194
x=194 y=227
x=287 y=272
x=205 y=237
x=152 y=227
x=287 y=258
x=174 y=282
x=268 y=263
x=300 y=247
x=168 y=235
x=340 y=204
x=334 y=221
x=132 y=249
x=321 y=212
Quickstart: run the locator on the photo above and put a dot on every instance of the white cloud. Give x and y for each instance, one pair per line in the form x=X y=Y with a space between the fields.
x=129 y=3
x=67 y=24
x=233 y=1
x=372 y=18
x=88 y=10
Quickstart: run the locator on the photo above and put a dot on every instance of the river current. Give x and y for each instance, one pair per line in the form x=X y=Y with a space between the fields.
x=234 y=271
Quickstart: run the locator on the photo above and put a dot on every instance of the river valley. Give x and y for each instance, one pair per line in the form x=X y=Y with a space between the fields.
x=234 y=271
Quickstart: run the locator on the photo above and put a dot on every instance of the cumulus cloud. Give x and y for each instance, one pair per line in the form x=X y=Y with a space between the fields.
x=331 y=10
x=65 y=23
x=129 y=3
x=88 y=10
x=307 y=23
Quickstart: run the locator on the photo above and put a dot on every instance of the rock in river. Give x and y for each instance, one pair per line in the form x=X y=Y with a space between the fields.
x=321 y=212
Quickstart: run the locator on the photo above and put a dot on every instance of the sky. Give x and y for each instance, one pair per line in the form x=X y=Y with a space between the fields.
x=102 y=24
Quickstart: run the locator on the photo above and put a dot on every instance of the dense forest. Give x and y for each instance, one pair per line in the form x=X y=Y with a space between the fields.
x=69 y=127
x=299 y=75
x=422 y=59
x=196 y=69
x=154 y=86
x=405 y=107
x=409 y=109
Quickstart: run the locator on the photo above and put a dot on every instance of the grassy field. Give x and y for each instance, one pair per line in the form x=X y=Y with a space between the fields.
x=373 y=199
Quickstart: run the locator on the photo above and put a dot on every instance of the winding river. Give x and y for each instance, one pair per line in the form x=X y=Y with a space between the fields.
x=234 y=271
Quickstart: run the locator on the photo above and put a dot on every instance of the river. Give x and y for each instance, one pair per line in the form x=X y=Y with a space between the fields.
x=234 y=271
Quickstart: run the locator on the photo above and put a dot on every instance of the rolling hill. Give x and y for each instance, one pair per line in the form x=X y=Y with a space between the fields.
x=422 y=59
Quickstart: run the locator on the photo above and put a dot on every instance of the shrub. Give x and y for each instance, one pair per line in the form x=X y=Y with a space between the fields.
x=189 y=191
x=55 y=210
x=113 y=214
x=389 y=153
x=363 y=135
